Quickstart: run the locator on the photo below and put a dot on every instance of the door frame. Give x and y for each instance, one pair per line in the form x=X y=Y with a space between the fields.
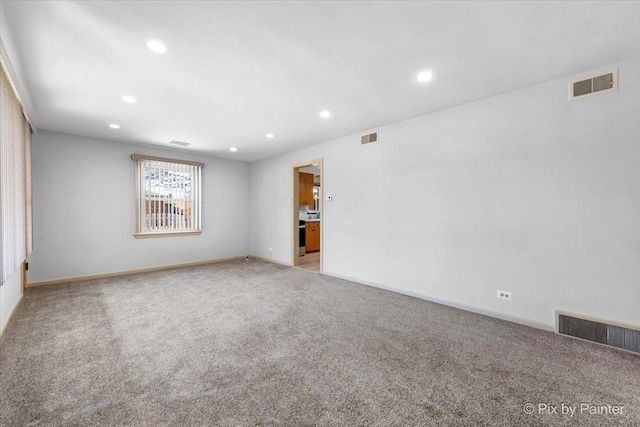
x=24 y=271
x=295 y=185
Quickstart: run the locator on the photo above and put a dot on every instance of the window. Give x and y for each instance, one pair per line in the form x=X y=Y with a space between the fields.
x=168 y=196
x=15 y=179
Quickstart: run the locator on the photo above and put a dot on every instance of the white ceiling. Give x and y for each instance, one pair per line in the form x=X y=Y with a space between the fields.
x=234 y=71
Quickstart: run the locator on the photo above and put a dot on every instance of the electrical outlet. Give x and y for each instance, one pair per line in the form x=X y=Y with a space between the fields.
x=270 y=251
x=504 y=295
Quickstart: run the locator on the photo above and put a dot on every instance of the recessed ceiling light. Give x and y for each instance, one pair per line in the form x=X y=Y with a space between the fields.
x=325 y=114
x=234 y=149
x=129 y=99
x=156 y=46
x=425 y=76
x=114 y=126
x=269 y=135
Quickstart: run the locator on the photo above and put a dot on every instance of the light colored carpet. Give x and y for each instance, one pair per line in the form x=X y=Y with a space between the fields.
x=247 y=343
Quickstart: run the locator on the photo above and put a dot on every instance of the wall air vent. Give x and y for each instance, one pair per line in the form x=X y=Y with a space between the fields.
x=369 y=139
x=621 y=336
x=182 y=143
x=596 y=84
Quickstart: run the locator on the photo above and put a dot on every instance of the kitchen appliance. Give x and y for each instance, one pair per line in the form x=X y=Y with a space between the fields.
x=303 y=234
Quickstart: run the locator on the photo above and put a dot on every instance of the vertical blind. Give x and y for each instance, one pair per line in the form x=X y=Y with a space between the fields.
x=168 y=195
x=15 y=181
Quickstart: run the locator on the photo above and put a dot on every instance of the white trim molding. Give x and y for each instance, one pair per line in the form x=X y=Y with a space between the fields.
x=11 y=313
x=482 y=311
x=123 y=273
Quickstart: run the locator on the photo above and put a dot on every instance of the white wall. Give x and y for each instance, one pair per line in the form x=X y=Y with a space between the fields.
x=83 y=197
x=10 y=294
x=523 y=192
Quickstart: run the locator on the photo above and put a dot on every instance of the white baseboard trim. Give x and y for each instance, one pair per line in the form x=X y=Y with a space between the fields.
x=514 y=319
x=509 y=318
x=13 y=310
x=123 y=273
x=287 y=264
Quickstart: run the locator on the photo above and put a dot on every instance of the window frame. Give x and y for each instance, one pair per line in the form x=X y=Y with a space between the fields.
x=139 y=160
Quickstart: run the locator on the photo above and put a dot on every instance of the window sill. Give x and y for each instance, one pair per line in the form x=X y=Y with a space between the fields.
x=166 y=234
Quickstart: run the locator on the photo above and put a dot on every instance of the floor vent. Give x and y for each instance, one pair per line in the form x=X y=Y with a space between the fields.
x=599 y=331
x=596 y=84
x=369 y=139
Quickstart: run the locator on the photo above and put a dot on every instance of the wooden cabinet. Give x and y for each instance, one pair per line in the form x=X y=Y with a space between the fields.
x=312 y=238
x=305 y=189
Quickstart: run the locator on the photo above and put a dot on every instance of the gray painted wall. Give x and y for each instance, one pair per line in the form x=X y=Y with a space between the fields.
x=83 y=198
x=523 y=192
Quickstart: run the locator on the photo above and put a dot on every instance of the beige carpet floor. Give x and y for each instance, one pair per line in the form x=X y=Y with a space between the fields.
x=248 y=343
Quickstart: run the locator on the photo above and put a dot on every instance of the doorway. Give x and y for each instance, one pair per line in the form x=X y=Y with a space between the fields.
x=307 y=215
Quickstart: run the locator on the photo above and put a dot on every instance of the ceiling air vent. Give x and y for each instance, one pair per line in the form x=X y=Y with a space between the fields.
x=184 y=144
x=369 y=139
x=596 y=84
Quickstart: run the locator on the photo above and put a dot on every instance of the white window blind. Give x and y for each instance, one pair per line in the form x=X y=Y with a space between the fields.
x=168 y=196
x=15 y=180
